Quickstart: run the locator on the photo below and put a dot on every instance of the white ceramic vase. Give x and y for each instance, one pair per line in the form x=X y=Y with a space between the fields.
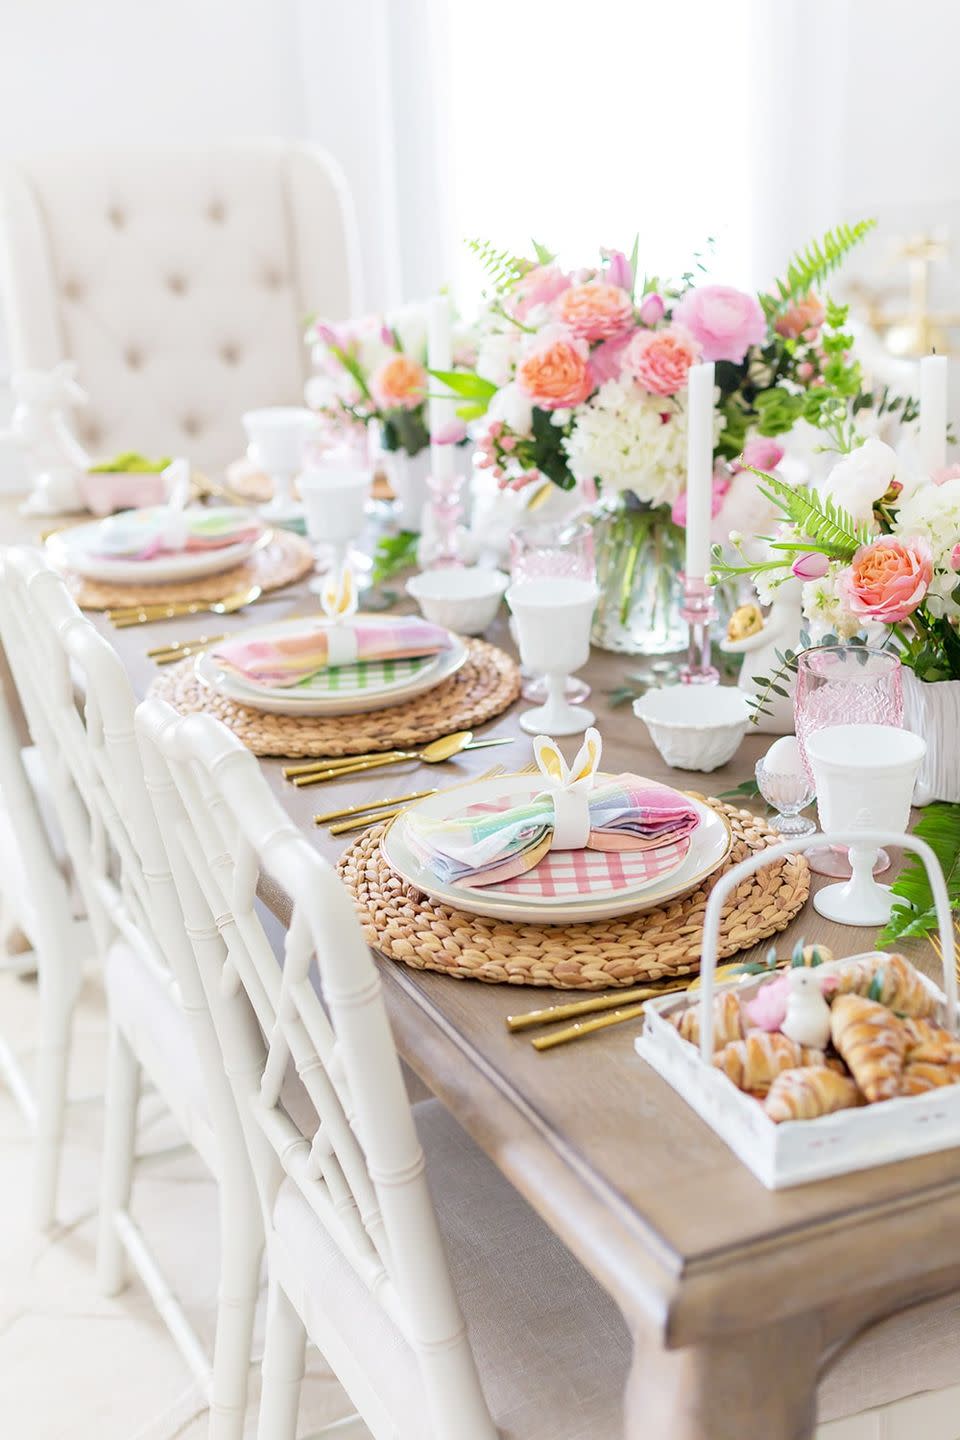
x=933 y=711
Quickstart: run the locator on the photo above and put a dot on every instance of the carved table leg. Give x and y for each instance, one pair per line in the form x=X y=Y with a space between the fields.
x=761 y=1384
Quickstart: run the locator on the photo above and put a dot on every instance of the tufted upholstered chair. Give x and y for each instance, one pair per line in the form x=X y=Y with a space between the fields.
x=177 y=280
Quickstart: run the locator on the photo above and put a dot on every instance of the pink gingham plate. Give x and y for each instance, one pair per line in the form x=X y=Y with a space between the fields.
x=533 y=896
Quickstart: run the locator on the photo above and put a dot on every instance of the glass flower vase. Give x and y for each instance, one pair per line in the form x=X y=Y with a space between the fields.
x=639 y=560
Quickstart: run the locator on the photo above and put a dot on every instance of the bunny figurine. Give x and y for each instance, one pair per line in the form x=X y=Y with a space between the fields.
x=41 y=428
x=807 y=1020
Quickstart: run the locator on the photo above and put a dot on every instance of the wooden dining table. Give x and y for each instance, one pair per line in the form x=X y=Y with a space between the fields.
x=735 y=1295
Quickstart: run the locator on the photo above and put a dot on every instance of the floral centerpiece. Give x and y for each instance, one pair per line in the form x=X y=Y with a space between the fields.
x=877 y=552
x=580 y=380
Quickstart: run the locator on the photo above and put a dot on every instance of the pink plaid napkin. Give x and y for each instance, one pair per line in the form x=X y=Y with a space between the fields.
x=626 y=813
x=289 y=659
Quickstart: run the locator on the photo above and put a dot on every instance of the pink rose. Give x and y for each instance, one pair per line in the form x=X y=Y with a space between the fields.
x=759 y=453
x=652 y=309
x=955 y=557
x=595 y=311
x=659 y=359
x=606 y=360
x=804 y=318
x=721 y=484
x=540 y=286
x=725 y=321
x=887 y=580
x=811 y=566
x=555 y=374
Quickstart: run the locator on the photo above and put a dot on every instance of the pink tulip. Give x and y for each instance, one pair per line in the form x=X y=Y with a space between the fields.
x=955 y=558
x=327 y=335
x=619 y=271
x=450 y=434
x=811 y=566
x=652 y=309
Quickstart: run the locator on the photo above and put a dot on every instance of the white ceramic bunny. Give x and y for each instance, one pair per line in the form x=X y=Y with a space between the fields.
x=41 y=428
x=781 y=631
x=807 y=1020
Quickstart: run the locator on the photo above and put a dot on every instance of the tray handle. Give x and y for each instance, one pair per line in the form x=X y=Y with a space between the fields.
x=872 y=838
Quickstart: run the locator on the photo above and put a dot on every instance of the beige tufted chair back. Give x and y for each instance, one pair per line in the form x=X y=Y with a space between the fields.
x=178 y=280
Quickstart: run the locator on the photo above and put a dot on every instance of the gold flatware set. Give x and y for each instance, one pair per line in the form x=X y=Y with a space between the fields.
x=124 y=616
x=181 y=649
x=435 y=753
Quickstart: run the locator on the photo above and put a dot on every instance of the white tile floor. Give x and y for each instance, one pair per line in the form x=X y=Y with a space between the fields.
x=73 y=1364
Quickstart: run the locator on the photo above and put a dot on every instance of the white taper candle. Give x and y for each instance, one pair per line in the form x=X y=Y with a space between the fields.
x=441 y=409
x=933 y=412
x=700 y=380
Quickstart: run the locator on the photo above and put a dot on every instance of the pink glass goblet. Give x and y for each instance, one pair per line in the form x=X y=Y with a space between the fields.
x=551 y=551
x=845 y=685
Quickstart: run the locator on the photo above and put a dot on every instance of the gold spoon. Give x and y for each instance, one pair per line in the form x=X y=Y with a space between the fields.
x=348 y=762
x=433 y=754
x=126 y=616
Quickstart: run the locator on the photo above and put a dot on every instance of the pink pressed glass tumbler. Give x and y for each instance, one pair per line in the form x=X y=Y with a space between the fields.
x=845 y=685
x=553 y=551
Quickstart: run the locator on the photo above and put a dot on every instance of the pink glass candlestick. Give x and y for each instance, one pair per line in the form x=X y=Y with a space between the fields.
x=446 y=507
x=699 y=613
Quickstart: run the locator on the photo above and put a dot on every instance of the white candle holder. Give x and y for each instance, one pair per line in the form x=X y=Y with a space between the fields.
x=699 y=612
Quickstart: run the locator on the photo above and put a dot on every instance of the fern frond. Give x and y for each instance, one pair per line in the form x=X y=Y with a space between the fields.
x=826 y=524
x=809 y=268
x=503 y=269
x=939 y=825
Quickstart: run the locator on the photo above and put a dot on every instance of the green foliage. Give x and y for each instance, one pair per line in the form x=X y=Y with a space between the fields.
x=544 y=256
x=809 y=268
x=746 y=790
x=461 y=382
x=939 y=825
x=393 y=554
x=404 y=430
x=551 y=458
x=502 y=269
x=827 y=527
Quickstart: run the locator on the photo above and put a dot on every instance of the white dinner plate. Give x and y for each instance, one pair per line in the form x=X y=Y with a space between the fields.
x=75 y=549
x=709 y=846
x=353 y=698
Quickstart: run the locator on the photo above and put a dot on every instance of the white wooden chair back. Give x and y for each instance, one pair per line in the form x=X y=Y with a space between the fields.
x=361 y=1168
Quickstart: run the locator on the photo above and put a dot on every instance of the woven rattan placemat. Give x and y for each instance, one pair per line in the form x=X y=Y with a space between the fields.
x=284 y=560
x=404 y=924
x=484 y=686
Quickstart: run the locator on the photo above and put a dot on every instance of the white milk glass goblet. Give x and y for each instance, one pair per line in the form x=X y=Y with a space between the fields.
x=864 y=776
x=276 y=438
x=335 y=497
x=553 y=628
x=549 y=550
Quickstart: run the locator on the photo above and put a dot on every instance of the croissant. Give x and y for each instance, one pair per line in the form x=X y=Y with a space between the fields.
x=805 y=1093
x=872 y=1041
x=929 y=1042
x=727 y=1021
x=754 y=1063
x=889 y=979
x=919 y=1076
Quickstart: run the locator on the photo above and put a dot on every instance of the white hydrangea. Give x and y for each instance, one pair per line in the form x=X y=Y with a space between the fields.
x=628 y=439
x=497 y=355
x=933 y=511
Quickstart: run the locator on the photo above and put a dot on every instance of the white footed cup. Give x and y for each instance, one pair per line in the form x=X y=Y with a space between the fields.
x=277 y=436
x=335 y=499
x=553 y=619
x=864 y=776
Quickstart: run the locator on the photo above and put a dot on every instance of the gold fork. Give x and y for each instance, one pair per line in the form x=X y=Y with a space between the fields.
x=180 y=649
x=124 y=616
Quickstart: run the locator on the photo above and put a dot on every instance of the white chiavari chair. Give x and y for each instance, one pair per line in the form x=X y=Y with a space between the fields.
x=160 y=1024
x=355 y=1244
x=36 y=903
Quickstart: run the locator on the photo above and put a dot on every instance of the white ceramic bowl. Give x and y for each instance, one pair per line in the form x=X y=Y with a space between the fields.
x=695 y=727
x=462 y=600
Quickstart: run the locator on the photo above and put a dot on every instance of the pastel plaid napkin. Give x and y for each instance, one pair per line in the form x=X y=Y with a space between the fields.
x=140 y=534
x=286 y=660
x=626 y=813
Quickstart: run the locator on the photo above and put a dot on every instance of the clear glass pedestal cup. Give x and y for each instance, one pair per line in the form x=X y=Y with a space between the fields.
x=845 y=685
x=549 y=551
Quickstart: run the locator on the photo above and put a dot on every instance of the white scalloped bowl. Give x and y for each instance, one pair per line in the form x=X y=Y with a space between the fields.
x=695 y=727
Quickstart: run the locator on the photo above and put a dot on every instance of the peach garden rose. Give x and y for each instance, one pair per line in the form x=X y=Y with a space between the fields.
x=804 y=318
x=659 y=359
x=595 y=311
x=399 y=384
x=555 y=373
x=887 y=580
